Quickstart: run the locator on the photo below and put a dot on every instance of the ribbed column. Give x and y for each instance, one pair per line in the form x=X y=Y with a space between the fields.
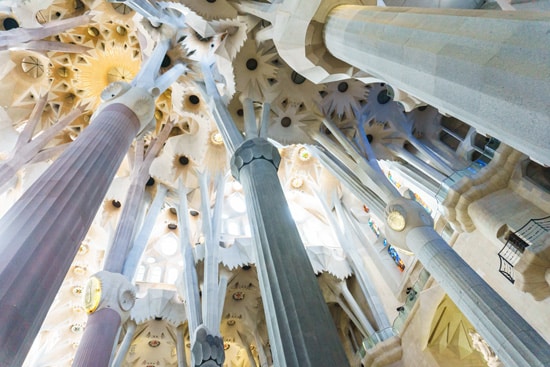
x=114 y=293
x=514 y=341
x=487 y=68
x=300 y=327
x=124 y=238
x=101 y=325
x=41 y=233
x=180 y=347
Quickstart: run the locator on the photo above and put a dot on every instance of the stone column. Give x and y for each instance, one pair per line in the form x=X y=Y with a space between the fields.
x=102 y=323
x=140 y=243
x=124 y=238
x=514 y=341
x=207 y=349
x=349 y=245
x=180 y=346
x=300 y=327
x=109 y=298
x=128 y=223
x=487 y=68
x=41 y=233
x=126 y=343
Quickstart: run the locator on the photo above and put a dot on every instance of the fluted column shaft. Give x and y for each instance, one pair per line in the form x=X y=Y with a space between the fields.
x=180 y=347
x=100 y=327
x=487 y=68
x=300 y=327
x=41 y=233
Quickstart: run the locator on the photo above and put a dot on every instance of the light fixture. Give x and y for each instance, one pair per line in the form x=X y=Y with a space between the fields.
x=297 y=182
x=304 y=154
x=83 y=249
x=216 y=138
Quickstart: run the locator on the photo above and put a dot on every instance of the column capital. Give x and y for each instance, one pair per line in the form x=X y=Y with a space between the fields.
x=139 y=100
x=110 y=290
x=207 y=349
x=251 y=150
x=402 y=215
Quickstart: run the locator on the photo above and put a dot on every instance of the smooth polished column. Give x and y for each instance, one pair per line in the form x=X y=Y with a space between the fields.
x=487 y=68
x=40 y=235
x=300 y=327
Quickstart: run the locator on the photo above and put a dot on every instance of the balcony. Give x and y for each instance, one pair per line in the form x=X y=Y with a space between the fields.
x=518 y=241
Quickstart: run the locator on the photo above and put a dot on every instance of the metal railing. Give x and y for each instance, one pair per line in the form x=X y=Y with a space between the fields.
x=449 y=182
x=412 y=296
x=517 y=242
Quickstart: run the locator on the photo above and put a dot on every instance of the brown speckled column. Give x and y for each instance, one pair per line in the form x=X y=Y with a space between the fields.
x=41 y=233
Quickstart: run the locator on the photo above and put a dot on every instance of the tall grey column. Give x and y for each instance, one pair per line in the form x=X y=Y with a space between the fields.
x=301 y=330
x=41 y=233
x=514 y=341
x=487 y=68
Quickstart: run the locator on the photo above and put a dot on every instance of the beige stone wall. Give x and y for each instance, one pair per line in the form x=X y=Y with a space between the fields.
x=476 y=249
x=502 y=210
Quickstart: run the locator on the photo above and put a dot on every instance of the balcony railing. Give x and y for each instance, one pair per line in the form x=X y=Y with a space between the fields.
x=412 y=296
x=518 y=241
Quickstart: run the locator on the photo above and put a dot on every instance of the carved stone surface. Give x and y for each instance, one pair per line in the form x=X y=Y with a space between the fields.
x=207 y=349
x=488 y=354
x=414 y=215
x=252 y=149
x=137 y=99
x=117 y=293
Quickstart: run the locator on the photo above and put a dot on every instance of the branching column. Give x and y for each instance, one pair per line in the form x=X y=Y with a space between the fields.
x=301 y=330
x=487 y=68
x=40 y=235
